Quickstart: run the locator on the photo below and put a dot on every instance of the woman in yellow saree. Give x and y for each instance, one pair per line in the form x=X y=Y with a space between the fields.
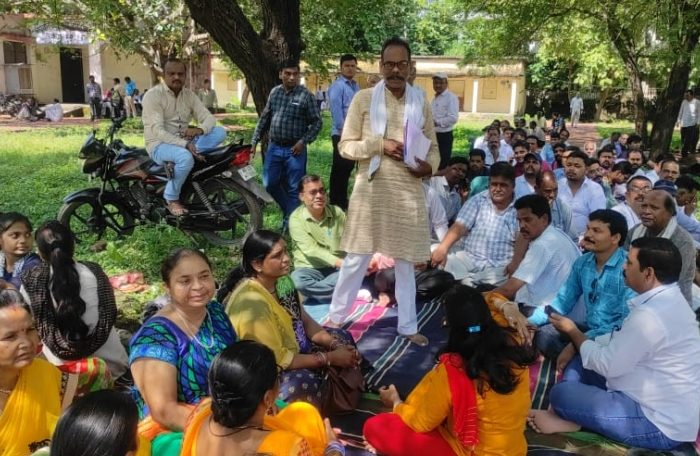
x=243 y=385
x=32 y=391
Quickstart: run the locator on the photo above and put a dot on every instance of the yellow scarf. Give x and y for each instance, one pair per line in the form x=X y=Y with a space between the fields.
x=297 y=424
x=32 y=410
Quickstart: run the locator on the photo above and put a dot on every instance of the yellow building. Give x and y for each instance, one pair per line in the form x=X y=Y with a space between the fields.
x=481 y=89
x=49 y=63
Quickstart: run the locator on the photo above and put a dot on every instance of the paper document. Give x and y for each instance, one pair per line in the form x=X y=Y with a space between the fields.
x=415 y=145
x=374 y=163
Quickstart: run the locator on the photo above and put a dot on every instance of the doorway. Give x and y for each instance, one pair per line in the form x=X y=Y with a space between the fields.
x=72 y=81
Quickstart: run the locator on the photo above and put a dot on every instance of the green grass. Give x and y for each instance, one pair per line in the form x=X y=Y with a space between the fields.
x=623 y=126
x=40 y=166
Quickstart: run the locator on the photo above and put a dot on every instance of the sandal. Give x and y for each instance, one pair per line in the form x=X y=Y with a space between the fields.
x=176 y=208
x=418 y=339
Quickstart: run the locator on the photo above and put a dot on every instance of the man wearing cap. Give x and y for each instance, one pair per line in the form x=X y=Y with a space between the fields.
x=525 y=184
x=445 y=107
x=658 y=220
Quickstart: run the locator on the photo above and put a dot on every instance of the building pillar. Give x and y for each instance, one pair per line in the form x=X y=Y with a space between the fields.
x=95 y=61
x=3 y=86
x=513 y=96
x=475 y=95
x=239 y=89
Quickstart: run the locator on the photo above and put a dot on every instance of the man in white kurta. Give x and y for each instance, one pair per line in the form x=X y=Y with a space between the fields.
x=386 y=214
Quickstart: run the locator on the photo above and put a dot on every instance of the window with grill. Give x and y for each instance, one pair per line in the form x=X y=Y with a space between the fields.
x=15 y=52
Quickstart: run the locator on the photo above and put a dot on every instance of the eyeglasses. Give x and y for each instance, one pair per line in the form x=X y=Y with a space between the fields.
x=639 y=189
x=593 y=295
x=317 y=191
x=401 y=65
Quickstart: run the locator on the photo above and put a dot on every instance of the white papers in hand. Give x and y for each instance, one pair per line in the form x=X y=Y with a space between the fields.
x=415 y=145
x=374 y=163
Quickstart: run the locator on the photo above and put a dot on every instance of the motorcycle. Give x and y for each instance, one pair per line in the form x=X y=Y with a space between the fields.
x=223 y=198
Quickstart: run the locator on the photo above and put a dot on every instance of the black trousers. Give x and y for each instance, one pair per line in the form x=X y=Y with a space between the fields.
x=689 y=139
x=341 y=169
x=429 y=282
x=445 y=145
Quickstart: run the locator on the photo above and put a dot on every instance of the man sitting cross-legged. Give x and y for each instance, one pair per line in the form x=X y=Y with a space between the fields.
x=486 y=227
x=316 y=229
x=637 y=385
x=548 y=260
x=596 y=278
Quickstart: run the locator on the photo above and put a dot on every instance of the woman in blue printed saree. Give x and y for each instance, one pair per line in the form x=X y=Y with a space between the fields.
x=170 y=355
x=264 y=306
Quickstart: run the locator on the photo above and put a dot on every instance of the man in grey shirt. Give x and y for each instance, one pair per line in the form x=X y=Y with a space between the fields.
x=658 y=217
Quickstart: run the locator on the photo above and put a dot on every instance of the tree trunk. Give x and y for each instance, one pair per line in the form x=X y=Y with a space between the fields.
x=669 y=100
x=257 y=55
x=244 y=97
x=624 y=45
x=600 y=106
x=638 y=100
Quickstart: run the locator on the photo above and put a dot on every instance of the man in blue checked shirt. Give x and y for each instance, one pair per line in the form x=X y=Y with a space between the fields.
x=597 y=279
x=340 y=94
x=293 y=120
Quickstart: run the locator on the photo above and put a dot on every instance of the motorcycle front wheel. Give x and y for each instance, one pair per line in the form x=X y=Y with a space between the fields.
x=90 y=223
x=237 y=212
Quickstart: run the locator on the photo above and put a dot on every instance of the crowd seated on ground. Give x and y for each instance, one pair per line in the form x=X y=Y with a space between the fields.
x=571 y=256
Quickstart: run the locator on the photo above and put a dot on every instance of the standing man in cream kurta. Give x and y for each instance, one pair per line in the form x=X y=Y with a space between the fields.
x=387 y=213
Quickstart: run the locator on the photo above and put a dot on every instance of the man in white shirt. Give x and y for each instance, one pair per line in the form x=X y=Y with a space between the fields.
x=525 y=184
x=548 y=259
x=637 y=187
x=496 y=152
x=54 y=111
x=445 y=107
x=581 y=194
x=576 y=106
x=446 y=185
x=688 y=119
x=637 y=385
x=482 y=141
x=168 y=109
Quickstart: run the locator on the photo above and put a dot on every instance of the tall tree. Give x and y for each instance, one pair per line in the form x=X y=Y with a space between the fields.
x=256 y=54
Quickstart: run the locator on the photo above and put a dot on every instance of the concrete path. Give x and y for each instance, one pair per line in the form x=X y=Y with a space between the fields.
x=582 y=133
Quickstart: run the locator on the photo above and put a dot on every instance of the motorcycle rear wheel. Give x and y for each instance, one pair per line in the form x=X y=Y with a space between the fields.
x=89 y=224
x=233 y=201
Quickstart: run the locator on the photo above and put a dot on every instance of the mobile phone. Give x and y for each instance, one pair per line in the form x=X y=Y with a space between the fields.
x=549 y=310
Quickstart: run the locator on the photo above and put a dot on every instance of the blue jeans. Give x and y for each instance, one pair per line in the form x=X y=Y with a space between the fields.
x=551 y=342
x=316 y=283
x=183 y=159
x=282 y=172
x=582 y=397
